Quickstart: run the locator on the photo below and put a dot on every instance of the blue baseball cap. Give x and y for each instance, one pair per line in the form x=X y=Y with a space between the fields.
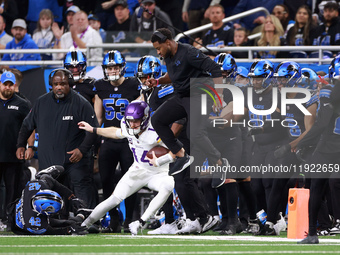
x=93 y=17
x=242 y=71
x=72 y=8
x=8 y=76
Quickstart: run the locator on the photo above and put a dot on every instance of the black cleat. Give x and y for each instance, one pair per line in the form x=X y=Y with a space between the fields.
x=208 y=223
x=221 y=226
x=53 y=171
x=266 y=230
x=180 y=164
x=309 y=240
x=219 y=177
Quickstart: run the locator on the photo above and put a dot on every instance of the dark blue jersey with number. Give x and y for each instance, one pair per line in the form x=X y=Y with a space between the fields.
x=295 y=119
x=116 y=98
x=27 y=219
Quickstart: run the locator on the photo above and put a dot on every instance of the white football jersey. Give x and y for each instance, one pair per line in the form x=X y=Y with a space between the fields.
x=141 y=145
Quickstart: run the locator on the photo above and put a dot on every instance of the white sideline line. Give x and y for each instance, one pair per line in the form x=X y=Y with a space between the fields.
x=150 y=245
x=224 y=238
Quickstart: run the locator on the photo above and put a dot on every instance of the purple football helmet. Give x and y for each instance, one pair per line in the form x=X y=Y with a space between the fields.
x=134 y=111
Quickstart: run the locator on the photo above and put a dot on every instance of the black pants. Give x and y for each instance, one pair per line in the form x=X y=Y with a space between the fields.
x=191 y=196
x=79 y=177
x=177 y=108
x=11 y=173
x=319 y=187
x=279 y=190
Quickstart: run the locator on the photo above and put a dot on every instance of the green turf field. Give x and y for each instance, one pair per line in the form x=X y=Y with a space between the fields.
x=208 y=243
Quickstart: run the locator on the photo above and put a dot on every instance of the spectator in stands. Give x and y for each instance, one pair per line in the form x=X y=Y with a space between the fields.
x=174 y=9
x=43 y=36
x=240 y=39
x=251 y=21
x=57 y=31
x=272 y=33
x=228 y=6
x=119 y=30
x=81 y=34
x=4 y=37
x=328 y=33
x=95 y=24
x=9 y=10
x=299 y=34
x=21 y=40
x=144 y=25
x=36 y=6
x=220 y=35
x=281 y=12
x=69 y=17
x=193 y=14
x=104 y=9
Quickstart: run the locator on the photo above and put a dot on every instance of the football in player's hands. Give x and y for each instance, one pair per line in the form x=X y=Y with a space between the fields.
x=158 y=150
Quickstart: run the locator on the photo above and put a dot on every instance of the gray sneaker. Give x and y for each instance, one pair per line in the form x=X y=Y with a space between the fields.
x=310 y=240
x=180 y=164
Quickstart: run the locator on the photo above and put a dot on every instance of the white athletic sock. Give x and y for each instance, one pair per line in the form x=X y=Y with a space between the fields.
x=156 y=203
x=101 y=209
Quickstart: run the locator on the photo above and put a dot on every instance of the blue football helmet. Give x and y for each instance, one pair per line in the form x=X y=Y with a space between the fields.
x=47 y=202
x=261 y=69
x=241 y=70
x=134 y=111
x=289 y=70
x=148 y=67
x=114 y=58
x=227 y=64
x=308 y=79
x=75 y=59
x=334 y=68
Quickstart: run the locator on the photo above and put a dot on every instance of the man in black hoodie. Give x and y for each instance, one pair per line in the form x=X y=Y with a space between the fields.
x=328 y=33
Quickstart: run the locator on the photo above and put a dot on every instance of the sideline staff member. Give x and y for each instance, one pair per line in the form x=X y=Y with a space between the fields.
x=183 y=62
x=13 y=111
x=56 y=116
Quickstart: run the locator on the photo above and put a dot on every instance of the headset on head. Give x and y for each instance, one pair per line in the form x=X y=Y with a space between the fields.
x=160 y=36
x=66 y=72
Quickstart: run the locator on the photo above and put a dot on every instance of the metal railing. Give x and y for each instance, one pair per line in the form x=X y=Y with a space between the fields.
x=253 y=49
x=234 y=17
x=248 y=49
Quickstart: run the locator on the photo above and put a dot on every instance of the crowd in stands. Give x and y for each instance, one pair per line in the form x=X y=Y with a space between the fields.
x=55 y=25
x=72 y=25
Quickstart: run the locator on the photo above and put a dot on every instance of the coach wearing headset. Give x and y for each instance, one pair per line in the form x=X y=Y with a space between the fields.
x=56 y=115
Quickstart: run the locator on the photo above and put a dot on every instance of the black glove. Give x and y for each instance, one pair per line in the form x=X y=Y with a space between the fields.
x=76 y=229
x=282 y=151
x=77 y=203
x=255 y=131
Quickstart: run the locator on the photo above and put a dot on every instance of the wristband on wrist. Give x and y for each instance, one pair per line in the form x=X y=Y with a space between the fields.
x=165 y=159
x=157 y=82
x=94 y=130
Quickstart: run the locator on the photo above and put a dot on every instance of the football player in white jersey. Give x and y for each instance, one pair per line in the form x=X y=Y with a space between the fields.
x=144 y=172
